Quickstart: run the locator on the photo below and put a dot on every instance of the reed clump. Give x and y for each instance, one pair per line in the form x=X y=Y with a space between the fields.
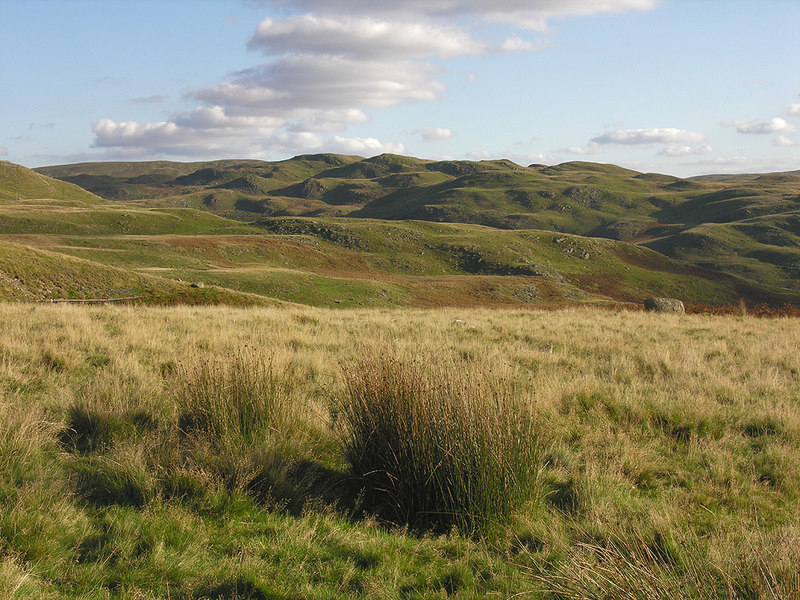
x=240 y=398
x=436 y=446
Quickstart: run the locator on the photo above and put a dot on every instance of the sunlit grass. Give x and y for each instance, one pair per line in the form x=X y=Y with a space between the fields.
x=194 y=452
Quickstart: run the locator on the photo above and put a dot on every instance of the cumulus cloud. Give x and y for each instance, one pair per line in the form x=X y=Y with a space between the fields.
x=674 y=150
x=531 y=14
x=369 y=146
x=783 y=141
x=434 y=134
x=328 y=62
x=776 y=125
x=794 y=110
x=516 y=44
x=362 y=37
x=665 y=135
x=3 y=151
x=329 y=120
x=201 y=135
x=301 y=82
x=205 y=129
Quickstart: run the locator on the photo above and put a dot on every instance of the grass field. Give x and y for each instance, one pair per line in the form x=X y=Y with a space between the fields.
x=215 y=452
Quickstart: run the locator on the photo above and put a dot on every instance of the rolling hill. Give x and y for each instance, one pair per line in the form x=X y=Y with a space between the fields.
x=335 y=230
x=742 y=225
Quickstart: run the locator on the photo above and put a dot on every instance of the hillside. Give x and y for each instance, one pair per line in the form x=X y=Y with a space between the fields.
x=18 y=183
x=742 y=225
x=33 y=275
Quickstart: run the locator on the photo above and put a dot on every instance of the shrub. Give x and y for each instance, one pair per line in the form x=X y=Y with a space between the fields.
x=436 y=449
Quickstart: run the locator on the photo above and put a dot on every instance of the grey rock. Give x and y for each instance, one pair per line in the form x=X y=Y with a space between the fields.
x=664 y=305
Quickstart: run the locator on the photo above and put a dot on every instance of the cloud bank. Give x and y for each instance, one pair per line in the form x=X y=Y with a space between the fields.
x=665 y=135
x=327 y=63
x=531 y=14
x=748 y=126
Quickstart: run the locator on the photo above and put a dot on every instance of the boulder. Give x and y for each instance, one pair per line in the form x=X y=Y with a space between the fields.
x=664 y=305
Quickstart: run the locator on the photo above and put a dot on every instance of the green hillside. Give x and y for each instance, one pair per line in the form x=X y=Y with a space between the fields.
x=18 y=183
x=665 y=213
x=28 y=274
x=508 y=226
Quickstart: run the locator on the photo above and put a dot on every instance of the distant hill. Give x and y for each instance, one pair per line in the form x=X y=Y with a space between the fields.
x=743 y=225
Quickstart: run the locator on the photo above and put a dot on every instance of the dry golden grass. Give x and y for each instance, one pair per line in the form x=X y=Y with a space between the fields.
x=662 y=436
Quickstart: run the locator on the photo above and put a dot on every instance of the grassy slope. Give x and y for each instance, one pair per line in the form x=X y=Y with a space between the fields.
x=577 y=197
x=18 y=183
x=330 y=262
x=28 y=274
x=671 y=439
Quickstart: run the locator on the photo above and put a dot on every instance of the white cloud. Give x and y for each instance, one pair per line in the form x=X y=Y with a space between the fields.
x=3 y=151
x=674 y=150
x=330 y=120
x=204 y=129
x=362 y=37
x=783 y=141
x=473 y=78
x=666 y=135
x=748 y=126
x=527 y=159
x=516 y=44
x=296 y=83
x=188 y=136
x=434 y=134
x=794 y=110
x=367 y=146
x=531 y=14
x=328 y=61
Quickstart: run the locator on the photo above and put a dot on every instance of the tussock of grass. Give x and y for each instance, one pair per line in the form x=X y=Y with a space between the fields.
x=437 y=446
x=240 y=398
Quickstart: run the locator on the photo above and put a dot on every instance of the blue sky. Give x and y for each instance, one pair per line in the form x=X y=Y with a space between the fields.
x=684 y=87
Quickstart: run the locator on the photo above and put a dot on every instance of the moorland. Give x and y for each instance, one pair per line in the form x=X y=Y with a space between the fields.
x=333 y=230
x=326 y=377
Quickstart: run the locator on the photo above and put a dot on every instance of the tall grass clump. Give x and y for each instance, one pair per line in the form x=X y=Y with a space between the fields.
x=436 y=447
x=241 y=421
x=232 y=399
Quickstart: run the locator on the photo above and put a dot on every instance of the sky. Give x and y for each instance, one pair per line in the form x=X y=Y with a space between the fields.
x=683 y=87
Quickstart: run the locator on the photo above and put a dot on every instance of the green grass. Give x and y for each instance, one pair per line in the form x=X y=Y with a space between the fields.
x=32 y=275
x=18 y=183
x=347 y=263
